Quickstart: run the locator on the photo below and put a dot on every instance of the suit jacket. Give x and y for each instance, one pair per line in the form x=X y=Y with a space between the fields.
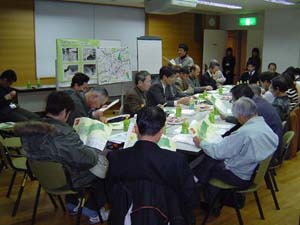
x=166 y=176
x=251 y=78
x=206 y=80
x=156 y=95
x=135 y=99
x=183 y=88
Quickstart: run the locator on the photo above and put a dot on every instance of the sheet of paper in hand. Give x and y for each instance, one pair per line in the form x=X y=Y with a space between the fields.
x=93 y=133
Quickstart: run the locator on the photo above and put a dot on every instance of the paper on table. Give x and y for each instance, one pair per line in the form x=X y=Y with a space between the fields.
x=92 y=132
x=109 y=106
x=172 y=61
x=118 y=138
x=184 y=138
x=188 y=112
x=117 y=125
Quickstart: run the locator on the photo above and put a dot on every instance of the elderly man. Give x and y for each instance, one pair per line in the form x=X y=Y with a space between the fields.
x=234 y=159
x=146 y=176
x=135 y=98
x=86 y=104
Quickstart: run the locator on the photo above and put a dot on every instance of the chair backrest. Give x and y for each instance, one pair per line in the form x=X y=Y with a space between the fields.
x=51 y=175
x=7 y=145
x=294 y=124
x=286 y=141
x=261 y=170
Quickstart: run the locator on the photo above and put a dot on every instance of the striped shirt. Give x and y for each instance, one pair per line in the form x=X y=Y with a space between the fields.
x=293 y=98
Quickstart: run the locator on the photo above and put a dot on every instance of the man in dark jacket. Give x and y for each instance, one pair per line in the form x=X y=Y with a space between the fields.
x=207 y=78
x=251 y=75
x=136 y=169
x=54 y=140
x=86 y=104
x=135 y=98
x=163 y=91
x=10 y=112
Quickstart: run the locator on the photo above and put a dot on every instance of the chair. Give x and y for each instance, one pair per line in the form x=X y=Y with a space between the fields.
x=54 y=179
x=17 y=163
x=286 y=141
x=294 y=126
x=257 y=181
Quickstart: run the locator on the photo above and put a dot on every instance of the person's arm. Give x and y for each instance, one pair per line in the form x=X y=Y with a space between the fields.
x=75 y=153
x=224 y=149
x=279 y=109
x=221 y=79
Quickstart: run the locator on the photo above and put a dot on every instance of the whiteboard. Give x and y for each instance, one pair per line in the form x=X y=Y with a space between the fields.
x=149 y=55
x=56 y=19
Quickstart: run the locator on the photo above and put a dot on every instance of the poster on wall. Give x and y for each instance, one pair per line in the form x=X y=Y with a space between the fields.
x=113 y=65
x=76 y=55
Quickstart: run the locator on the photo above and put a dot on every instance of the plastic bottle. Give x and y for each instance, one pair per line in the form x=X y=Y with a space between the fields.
x=185 y=126
x=126 y=123
x=221 y=90
x=38 y=83
x=29 y=86
x=178 y=111
x=192 y=104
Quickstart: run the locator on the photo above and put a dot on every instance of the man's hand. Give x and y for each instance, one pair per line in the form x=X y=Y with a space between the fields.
x=197 y=141
x=97 y=114
x=223 y=117
x=184 y=101
x=103 y=119
x=208 y=88
x=10 y=95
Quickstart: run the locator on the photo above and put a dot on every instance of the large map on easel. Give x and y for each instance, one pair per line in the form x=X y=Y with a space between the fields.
x=113 y=65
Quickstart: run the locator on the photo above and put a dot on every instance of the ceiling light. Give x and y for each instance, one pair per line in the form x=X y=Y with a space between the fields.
x=217 y=4
x=282 y=2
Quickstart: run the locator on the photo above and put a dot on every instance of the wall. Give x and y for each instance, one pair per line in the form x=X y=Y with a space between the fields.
x=254 y=33
x=17 y=39
x=175 y=29
x=282 y=38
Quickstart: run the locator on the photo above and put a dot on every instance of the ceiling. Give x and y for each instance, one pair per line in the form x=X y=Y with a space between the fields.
x=248 y=6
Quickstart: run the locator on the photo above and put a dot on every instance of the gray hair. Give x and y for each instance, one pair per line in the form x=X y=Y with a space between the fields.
x=256 y=89
x=141 y=76
x=244 y=107
x=99 y=90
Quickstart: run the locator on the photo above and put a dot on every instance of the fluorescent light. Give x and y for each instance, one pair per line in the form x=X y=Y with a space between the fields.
x=217 y=4
x=282 y=2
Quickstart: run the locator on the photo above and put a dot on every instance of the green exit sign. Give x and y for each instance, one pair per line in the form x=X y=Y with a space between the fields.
x=248 y=21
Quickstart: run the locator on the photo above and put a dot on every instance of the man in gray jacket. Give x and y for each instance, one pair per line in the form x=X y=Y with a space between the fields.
x=54 y=140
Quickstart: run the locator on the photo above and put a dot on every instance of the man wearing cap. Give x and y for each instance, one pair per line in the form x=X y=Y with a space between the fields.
x=183 y=58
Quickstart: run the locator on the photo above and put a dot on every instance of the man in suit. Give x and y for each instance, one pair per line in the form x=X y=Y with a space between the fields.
x=195 y=82
x=162 y=92
x=182 y=85
x=251 y=75
x=208 y=77
x=167 y=172
x=135 y=98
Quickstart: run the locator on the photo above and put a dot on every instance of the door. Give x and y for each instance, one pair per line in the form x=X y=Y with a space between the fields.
x=215 y=42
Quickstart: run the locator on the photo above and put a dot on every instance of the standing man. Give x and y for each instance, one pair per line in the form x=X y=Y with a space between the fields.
x=10 y=112
x=183 y=58
x=135 y=98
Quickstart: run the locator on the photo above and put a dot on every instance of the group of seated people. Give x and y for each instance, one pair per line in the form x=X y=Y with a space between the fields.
x=146 y=175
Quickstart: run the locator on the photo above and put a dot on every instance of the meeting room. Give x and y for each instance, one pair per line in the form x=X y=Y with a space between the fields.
x=149 y=112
